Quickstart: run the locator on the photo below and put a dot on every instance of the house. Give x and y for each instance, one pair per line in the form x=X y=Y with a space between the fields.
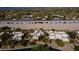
x=1 y=33
x=17 y=35
x=65 y=39
x=30 y=16
x=46 y=16
x=38 y=17
x=35 y=37
x=36 y=34
x=64 y=36
x=51 y=35
x=49 y=32
x=58 y=35
x=77 y=32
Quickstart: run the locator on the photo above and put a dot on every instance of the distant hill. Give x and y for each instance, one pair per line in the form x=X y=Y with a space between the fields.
x=18 y=8
x=13 y=8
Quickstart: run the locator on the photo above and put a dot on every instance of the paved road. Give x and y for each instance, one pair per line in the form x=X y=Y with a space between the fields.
x=58 y=25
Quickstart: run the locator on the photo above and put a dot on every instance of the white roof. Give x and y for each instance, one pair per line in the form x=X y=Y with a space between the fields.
x=41 y=32
x=30 y=15
x=78 y=32
x=52 y=37
x=18 y=38
x=55 y=32
x=61 y=32
x=15 y=37
x=37 y=34
x=46 y=16
x=35 y=31
x=65 y=39
x=65 y=35
x=35 y=37
x=58 y=36
x=50 y=32
x=32 y=33
x=17 y=33
x=1 y=33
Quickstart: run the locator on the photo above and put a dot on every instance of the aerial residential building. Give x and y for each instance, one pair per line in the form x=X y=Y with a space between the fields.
x=58 y=35
x=17 y=36
x=36 y=34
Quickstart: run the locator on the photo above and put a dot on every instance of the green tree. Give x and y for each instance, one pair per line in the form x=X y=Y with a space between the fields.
x=18 y=29
x=5 y=28
x=72 y=34
x=6 y=39
x=76 y=48
x=60 y=43
x=40 y=47
x=24 y=42
x=43 y=38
